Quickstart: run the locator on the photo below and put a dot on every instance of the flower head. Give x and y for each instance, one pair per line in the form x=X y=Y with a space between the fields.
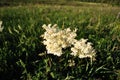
x=83 y=49
x=71 y=63
x=56 y=39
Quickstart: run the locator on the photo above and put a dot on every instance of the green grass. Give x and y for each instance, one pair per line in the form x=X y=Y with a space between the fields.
x=20 y=42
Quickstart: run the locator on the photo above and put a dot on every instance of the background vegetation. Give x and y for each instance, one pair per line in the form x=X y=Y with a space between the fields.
x=103 y=1
x=21 y=44
x=62 y=2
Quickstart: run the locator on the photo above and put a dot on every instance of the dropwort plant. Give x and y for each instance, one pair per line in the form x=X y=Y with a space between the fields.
x=56 y=39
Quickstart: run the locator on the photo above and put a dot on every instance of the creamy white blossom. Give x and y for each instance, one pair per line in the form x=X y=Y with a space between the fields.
x=71 y=63
x=1 y=28
x=56 y=39
x=83 y=49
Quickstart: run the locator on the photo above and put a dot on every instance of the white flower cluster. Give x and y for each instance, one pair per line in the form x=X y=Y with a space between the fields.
x=83 y=49
x=1 y=28
x=56 y=39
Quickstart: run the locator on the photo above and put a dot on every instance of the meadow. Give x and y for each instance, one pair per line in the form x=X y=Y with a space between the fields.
x=22 y=53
